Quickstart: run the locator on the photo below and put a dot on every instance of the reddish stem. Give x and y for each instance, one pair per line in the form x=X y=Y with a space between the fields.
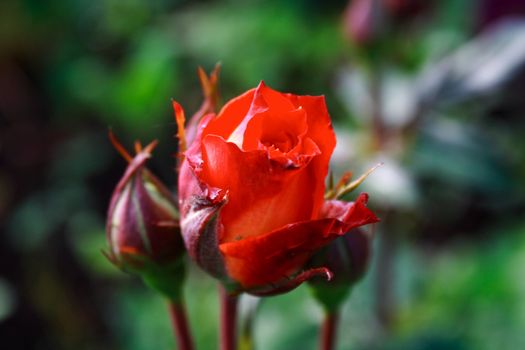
x=179 y=321
x=329 y=330
x=228 y=336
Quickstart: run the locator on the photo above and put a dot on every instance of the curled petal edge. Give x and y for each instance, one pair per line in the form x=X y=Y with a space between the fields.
x=267 y=259
x=290 y=284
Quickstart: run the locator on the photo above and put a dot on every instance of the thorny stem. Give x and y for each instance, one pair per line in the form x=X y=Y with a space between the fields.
x=228 y=321
x=179 y=321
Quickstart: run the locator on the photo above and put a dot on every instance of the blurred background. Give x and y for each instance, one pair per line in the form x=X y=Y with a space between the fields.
x=434 y=89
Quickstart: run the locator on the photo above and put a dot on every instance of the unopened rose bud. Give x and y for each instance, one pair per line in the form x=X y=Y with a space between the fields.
x=490 y=12
x=143 y=226
x=363 y=21
x=406 y=9
x=347 y=257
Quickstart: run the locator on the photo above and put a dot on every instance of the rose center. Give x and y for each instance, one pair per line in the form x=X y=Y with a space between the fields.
x=283 y=141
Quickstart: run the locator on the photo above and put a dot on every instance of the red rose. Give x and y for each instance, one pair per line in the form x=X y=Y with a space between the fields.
x=251 y=190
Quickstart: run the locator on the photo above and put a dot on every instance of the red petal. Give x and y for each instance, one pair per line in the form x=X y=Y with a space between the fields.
x=231 y=115
x=268 y=258
x=349 y=213
x=261 y=196
x=321 y=132
x=280 y=127
x=258 y=107
x=275 y=99
x=188 y=183
x=199 y=207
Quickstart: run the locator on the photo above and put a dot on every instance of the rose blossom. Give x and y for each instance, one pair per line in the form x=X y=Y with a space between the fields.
x=251 y=191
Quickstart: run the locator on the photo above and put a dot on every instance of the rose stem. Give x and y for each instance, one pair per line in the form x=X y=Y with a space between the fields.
x=384 y=298
x=179 y=322
x=228 y=326
x=329 y=330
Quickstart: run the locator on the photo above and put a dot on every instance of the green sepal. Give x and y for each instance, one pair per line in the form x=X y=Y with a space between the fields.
x=330 y=296
x=167 y=279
